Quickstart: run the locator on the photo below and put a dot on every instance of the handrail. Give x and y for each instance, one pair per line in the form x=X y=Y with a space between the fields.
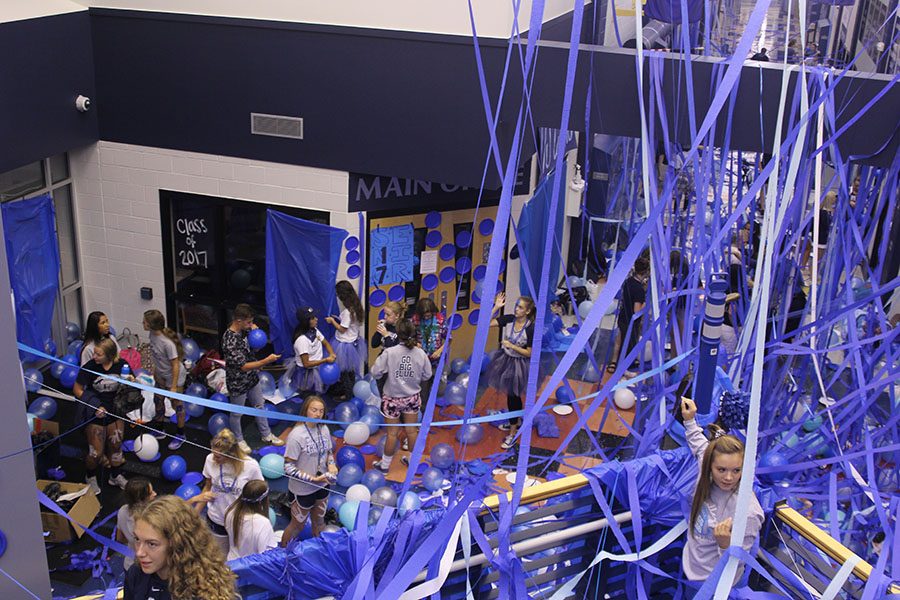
x=541 y=491
x=824 y=542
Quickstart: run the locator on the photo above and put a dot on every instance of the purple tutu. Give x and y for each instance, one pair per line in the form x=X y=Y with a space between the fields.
x=349 y=356
x=508 y=374
x=308 y=380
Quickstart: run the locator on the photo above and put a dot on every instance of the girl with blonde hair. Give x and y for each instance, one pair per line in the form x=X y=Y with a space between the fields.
x=175 y=556
x=168 y=373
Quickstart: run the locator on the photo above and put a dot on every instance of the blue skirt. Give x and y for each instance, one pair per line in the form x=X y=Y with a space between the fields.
x=307 y=380
x=508 y=374
x=349 y=356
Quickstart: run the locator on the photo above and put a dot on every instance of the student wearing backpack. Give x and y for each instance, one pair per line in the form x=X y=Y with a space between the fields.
x=168 y=372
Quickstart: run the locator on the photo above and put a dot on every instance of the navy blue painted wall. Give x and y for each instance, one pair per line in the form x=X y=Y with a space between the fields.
x=46 y=63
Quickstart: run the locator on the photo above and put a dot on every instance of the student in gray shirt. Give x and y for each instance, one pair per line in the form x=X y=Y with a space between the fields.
x=406 y=366
x=168 y=373
x=715 y=499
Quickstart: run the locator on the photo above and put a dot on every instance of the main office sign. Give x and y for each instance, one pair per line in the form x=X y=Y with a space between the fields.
x=379 y=193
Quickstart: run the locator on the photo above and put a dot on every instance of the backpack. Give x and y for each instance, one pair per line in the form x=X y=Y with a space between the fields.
x=205 y=365
x=127 y=399
x=129 y=352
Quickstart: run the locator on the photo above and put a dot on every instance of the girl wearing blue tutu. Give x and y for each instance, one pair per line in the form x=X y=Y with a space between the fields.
x=311 y=349
x=349 y=345
x=508 y=372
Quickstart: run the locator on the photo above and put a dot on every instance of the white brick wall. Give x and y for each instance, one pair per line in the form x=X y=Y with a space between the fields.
x=117 y=202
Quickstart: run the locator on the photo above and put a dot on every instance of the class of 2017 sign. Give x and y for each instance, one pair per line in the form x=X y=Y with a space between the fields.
x=392 y=255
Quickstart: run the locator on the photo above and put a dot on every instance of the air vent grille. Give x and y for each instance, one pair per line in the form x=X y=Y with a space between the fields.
x=276 y=126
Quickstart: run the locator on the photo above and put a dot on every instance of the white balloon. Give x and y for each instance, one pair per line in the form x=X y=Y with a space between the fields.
x=356 y=433
x=359 y=492
x=624 y=398
x=146 y=446
x=585 y=308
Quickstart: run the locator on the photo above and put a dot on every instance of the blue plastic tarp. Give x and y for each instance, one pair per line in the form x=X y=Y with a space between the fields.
x=32 y=256
x=301 y=269
x=533 y=228
x=669 y=11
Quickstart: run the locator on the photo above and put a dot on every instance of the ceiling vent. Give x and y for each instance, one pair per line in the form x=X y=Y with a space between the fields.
x=276 y=126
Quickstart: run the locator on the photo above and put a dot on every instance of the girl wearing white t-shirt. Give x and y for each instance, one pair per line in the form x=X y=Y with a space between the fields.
x=310 y=348
x=349 y=346
x=226 y=471
x=247 y=522
x=138 y=491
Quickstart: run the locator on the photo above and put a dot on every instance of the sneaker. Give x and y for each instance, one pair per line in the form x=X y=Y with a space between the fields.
x=405 y=445
x=380 y=466
x=118 y=481
x=504 y=426
x=243 y=446
x=274 y=440
x=176 y=442
x=92 y=483
x=159 y=433
x=404 y=460
x=508 y=442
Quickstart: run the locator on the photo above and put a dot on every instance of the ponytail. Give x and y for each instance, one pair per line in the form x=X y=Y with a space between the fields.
x=406 y=333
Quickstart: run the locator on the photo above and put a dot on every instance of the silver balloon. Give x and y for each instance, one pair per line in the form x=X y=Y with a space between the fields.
x=384 y=496
x=330 y=529
x=463 y=379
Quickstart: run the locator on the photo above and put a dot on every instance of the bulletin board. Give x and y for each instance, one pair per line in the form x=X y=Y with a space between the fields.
x=430 y=255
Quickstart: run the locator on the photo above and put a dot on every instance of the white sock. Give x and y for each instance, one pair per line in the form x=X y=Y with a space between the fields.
x=386 y=461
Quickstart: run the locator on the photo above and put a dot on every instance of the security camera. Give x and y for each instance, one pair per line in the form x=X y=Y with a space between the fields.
x=82 y=103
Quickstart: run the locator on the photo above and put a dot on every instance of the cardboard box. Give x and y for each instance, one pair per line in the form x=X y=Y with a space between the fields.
x=83 y=511
x=51 y=427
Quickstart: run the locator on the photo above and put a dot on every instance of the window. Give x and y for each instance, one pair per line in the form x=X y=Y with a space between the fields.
x=214 y=252
x=52 y=176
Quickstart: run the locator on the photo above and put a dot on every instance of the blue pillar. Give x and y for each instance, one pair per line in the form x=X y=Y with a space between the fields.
x=710 y=334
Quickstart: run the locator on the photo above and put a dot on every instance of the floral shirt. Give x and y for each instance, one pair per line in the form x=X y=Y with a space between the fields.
x=430 y=334
x=236 y=352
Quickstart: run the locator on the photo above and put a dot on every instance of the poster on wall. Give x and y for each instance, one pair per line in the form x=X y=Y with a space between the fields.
x=392 y=255
x=429 y=262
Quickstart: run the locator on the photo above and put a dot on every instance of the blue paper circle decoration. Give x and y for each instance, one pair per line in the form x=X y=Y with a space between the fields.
x=473 y=316
x=433 y=219
x=433 y=239
x=463 y=265
x=429 y=282
x=479 y=272
x=353 y=272
x=486 y=227
x=447 y=274
x=456 y=321
x=447 y=252
x=463 y=239
x=377 y=298
x=351 y=243
x=397 y=293
x=353 y=257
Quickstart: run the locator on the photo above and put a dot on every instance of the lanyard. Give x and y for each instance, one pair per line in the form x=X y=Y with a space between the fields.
x=228 y=488
x=320 y=445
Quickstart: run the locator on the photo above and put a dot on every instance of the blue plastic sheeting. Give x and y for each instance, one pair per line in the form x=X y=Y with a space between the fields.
x=669 y=11
x=301 y=270
x=532 y=233
x=32 y=255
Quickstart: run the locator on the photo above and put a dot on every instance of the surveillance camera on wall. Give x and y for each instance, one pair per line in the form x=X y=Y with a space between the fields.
x=82 y=103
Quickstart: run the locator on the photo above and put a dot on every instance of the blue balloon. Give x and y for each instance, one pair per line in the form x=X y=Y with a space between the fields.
x=375 y=514
x=68 y=377
x=777 y=460
x=43 y=407
x=347 y=513
x=217 y=423
x=409 y=501
x=457 y=366
x=191 y=349
x=192 y=478
x=346 y=412
x=187 y=491
x=362 y=389
x=286 y=386
x=359 y=403
x=373 y=420
x=174 y=418
x=349 y=454
x=198 y=390
x=350 y=474
x=33 y=380
x=485 y=362
x=272 y=466
x=330 y=373
x=267 y=383
x=373 y=385
x=217 y=397
x=289 y=408
x=470 y=433
x=812 y=424
x=72 y=358
x=74 y=348
x=50 y=347
x=335 y=501
x=257 y=338
x=373 y=480
x=455 y=394
x=174 y=468
x=443 y=456
x=432 y=479
x=57 y=368
x=565 y=395
x=194 y=410
x=73 y=331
